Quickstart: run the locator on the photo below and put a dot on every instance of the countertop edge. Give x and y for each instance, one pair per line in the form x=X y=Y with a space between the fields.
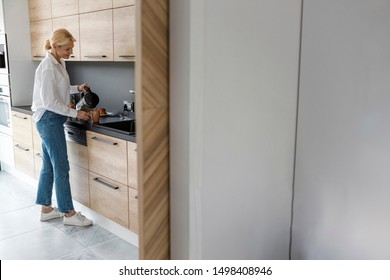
x=81 y=124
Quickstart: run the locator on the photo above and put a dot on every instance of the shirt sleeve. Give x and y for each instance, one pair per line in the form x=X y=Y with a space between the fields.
x=50 y=97
x=73 y=89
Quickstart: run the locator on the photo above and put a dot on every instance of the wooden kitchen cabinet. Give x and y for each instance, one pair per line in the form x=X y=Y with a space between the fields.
x=39 y=9
x=40 y=31
x=78 y=173
x=122 y=3
x=37 y=150
x=132 y=176
x=107 y=156
x=109 y=198
x=124 y=33
x=71 y=23
x=133 y=210
x=23 y=143
x=61 y=8
x=96 y=40
x=86 y=6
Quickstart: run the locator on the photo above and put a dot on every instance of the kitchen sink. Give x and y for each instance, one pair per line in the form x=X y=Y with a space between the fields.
x=126 y=127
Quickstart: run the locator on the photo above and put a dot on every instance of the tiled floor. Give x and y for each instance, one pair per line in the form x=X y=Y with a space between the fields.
x=24 y=237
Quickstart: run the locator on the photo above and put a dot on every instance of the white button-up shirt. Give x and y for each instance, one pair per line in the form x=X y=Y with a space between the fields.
x=52 y=89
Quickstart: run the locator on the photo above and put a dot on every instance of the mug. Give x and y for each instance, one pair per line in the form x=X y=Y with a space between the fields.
x=95 y=116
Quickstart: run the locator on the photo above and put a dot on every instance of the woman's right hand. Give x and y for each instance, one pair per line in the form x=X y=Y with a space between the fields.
x=82 y=115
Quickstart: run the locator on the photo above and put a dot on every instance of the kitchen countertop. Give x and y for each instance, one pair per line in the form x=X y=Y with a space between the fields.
x=88 y=125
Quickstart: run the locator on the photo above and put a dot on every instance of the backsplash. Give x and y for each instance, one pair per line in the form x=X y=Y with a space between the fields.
x=111 y=81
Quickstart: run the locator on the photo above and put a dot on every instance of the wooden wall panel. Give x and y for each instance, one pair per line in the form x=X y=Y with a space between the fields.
x=152 y=113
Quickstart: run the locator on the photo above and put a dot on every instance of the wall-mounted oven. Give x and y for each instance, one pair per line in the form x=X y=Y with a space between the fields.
x=6 y=144
x=3 y=55
x=5 y=111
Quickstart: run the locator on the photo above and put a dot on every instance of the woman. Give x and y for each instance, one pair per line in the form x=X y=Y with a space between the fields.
x=51 y=96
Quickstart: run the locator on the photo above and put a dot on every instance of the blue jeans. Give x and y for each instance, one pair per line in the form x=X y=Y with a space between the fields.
x=55 y=168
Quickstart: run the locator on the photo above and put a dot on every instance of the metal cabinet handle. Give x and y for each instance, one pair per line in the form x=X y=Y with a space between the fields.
x=127 y=55
x=104 y=141
x=38 y=155
x=20 y=147
x=105 y=184
x=19 y=117
x=95 y=56
x=38 y=56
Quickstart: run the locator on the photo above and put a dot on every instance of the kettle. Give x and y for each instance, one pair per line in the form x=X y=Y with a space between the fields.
x=88 y=101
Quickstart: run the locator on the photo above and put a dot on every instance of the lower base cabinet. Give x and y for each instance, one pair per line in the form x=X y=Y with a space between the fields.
x=109 y=198
x=79 y=184
x=133 y=210
x=24 y=159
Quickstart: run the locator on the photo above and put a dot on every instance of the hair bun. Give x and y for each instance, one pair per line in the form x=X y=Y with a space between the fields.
x=47 y=45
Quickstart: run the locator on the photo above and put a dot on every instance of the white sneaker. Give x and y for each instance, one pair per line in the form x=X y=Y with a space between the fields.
x=77 y=220
x=53 y=214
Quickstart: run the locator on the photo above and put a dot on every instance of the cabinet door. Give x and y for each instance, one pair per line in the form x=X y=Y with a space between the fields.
x=37 y=141
x=24 y=158
x=132 y=176
x=40 y=32
x=107 y=156
x=122 y=3
x=96 y=38
x=109 y=198
x=124 y=34
x=79 y=184
x=37 y=164
x=77 y=154
x=60 y=8
x=71 y=23
x=39 y=9
x=133 y=210
x=86 y=6
x=22 y=128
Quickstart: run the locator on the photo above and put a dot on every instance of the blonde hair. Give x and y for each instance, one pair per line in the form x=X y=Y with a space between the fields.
x=60 y=37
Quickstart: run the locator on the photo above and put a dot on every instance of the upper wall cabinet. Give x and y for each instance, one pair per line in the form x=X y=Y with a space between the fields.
x=71 y=23
x=122 y=3
x=124 y=33
x=96 y=36
x=103 y=33
x=39 y=9
x=40 y=31
x=61 y=8
x=86 y=6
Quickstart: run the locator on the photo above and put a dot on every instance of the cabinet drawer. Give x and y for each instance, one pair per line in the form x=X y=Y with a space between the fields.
x=109 y=198
x=24 y=158
x=22 y=128
x=133 y=210
x=79 y=183
x=107 y=156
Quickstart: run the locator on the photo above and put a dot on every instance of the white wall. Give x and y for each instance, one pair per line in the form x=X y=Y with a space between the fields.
x=341 y=208
x=22 y=68
x=234 y=76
